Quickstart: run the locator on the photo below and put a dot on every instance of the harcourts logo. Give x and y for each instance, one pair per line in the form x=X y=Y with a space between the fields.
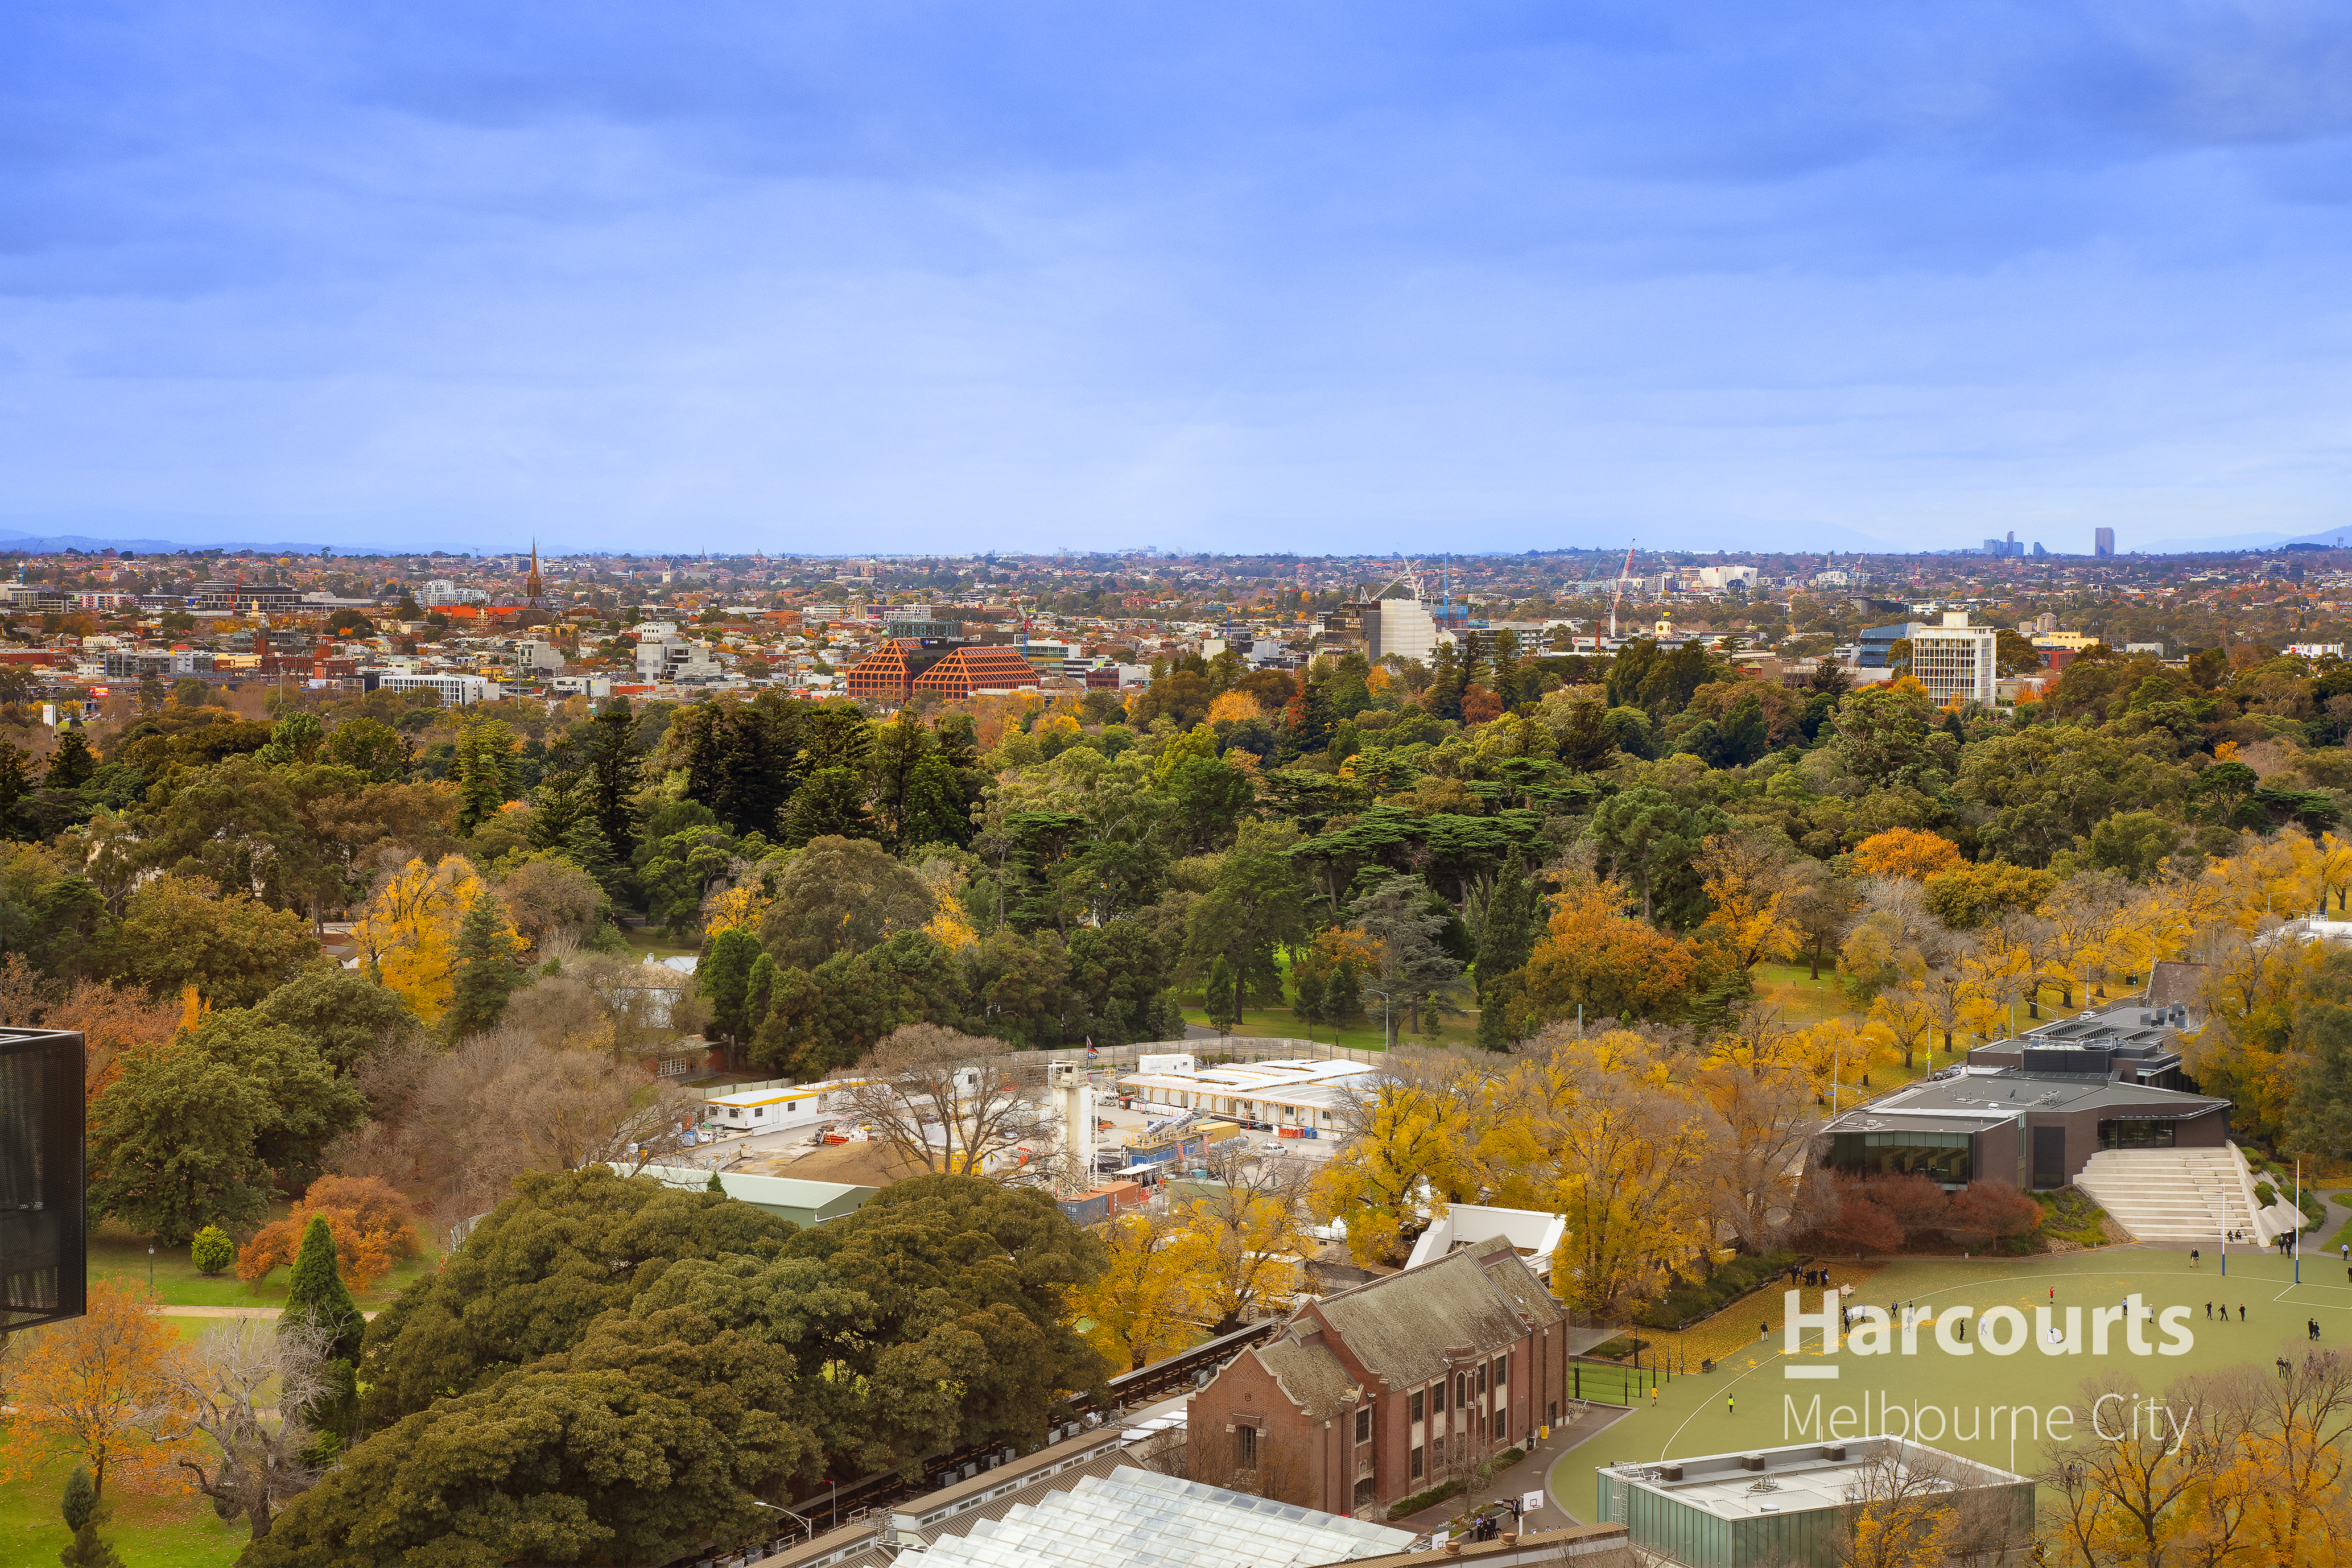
x=1963 y=1330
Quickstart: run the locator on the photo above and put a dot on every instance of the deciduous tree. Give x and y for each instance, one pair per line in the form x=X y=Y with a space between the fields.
x=102 y=1389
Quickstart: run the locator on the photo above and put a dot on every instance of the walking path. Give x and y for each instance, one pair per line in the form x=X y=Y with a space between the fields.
x=229 y=1312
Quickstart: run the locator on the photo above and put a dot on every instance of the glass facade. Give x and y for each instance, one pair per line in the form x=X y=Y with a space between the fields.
x=2149 y=1134
x=1666 y=1527
x=1901 y=1151
x=44 y=1250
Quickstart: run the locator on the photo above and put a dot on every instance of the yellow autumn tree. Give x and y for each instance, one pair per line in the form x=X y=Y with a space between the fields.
x=1134 y=1312
x=737 y=908
x=408 y=938
x=1404 y=1157
x=1236 y=706
x=100 y=1388
x=1747 y=883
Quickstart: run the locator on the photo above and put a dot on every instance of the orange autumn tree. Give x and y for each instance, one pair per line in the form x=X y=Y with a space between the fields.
x=1595 y=955
x=1904 y=852
x=96 y=1389
x=113 y=1020
x=374 y=1230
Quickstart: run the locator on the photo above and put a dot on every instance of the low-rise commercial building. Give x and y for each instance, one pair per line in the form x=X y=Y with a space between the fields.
x=1792 y=1506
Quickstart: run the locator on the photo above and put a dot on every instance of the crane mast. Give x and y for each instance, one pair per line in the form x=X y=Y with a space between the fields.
x=1615 y=599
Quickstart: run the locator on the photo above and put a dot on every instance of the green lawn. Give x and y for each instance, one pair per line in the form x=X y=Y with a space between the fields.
x=147 y=1532
x=1690 y=1418
x=1265 y=1023
x=116 y=1254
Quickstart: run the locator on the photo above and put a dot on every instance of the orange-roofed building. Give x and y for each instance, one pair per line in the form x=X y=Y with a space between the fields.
x=968 y=670
x=904 y=665
x=887 y=674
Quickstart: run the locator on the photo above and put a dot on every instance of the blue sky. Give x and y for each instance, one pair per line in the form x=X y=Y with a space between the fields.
x=1332 y=277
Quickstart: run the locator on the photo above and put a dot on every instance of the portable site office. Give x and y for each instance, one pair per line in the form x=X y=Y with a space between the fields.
x=770 y=1110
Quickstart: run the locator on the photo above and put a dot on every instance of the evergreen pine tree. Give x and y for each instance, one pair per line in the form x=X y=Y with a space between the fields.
x=71 y=764
x=613 y=768
x=1508 y=935
x=318 y=1295
x=757 y=991
x=1308 y=1003
x=715 y=1185
x=724 y=976
x=1340 y=1002
x=485 y=970
x=1220 y=1003
x=483 y=752
x=80 y=1502
x=15 y=778
x=79 y=1508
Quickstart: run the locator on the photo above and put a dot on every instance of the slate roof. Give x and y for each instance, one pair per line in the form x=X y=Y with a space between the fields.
x=1481 y=1297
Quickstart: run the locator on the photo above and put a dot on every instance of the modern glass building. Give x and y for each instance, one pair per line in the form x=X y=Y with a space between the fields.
x=1784 y=1508
x=43 y=1248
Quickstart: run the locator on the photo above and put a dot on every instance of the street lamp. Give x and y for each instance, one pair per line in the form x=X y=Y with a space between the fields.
x=1388 y=1024
x=807 y=1524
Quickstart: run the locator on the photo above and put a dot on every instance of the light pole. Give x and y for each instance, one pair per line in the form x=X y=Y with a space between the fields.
x=807 y=1524
x=1388 y=1022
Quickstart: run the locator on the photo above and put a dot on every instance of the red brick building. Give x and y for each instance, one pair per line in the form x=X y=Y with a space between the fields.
x=1390 y=1388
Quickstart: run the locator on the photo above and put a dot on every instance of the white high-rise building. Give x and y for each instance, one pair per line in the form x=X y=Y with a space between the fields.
x=1955 y=660
x=1399 y=626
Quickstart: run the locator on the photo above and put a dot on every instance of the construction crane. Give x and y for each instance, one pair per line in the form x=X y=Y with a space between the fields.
x=1615 y=599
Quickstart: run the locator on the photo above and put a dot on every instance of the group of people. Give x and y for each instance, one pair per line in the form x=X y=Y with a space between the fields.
x=2225 y=1312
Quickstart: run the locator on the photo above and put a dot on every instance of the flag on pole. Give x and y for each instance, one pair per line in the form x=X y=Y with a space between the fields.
x=1091 y=1052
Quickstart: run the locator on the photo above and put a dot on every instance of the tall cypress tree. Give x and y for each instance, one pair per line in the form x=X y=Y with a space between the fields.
x=1341 y=1002
x=1221 y=1003
x=485 y=970
x=724 y=976
x=613 y=777
x=316 y=1296
x=1508 y=936
x=71 y=764
x=757 y=992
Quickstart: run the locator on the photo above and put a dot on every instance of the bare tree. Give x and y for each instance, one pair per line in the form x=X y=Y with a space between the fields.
x=946 y=1100
x=467 y=1122
x=1948 y=989
x=1762 y=1183
x=260 y=1462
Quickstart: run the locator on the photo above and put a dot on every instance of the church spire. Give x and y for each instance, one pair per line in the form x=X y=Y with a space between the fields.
x=530 y=585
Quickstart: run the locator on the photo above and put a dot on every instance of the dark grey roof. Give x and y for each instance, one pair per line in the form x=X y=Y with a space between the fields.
x=1987 y=1098
x=1309 y=1373
x=1401 y=1328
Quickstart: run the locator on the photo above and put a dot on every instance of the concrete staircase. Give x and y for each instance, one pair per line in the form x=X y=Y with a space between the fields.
x=2171 y=1195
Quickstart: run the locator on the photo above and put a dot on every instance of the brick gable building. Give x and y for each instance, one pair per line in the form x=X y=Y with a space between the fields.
x=1388 y=1389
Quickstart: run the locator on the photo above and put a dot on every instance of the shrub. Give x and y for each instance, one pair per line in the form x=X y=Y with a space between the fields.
x=2265 y=1194
x=212 y=1251
x=1420 y=1501
x=1703 y=1298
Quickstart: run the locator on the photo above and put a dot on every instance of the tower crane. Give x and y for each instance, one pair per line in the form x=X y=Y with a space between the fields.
x=1615 y=599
